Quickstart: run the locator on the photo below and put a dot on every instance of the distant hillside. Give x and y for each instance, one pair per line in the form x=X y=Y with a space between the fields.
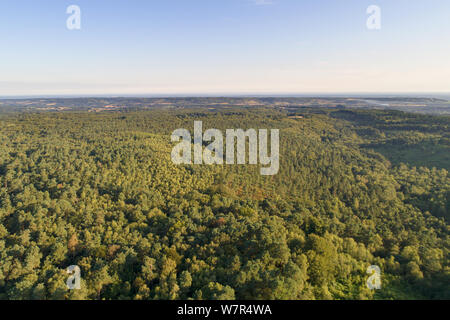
x=416 y=105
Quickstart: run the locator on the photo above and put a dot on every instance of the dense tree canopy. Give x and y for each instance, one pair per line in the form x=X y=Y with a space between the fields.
x=99 y=191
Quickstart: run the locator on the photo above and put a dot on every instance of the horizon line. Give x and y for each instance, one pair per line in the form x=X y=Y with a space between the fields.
x=227 y=95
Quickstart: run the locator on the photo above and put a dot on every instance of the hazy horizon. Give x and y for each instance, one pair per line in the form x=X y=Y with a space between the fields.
x=442 y=95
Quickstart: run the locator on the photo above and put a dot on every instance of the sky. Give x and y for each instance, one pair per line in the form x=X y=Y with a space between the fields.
x=214 y=47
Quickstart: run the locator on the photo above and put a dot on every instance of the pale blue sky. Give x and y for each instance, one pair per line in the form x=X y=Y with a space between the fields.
x=223 y=47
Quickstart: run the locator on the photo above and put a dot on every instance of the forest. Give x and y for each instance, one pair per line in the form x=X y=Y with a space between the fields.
x=98 y=190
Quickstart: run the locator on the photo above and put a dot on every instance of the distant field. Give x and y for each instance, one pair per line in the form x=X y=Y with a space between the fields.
x=409 y=104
